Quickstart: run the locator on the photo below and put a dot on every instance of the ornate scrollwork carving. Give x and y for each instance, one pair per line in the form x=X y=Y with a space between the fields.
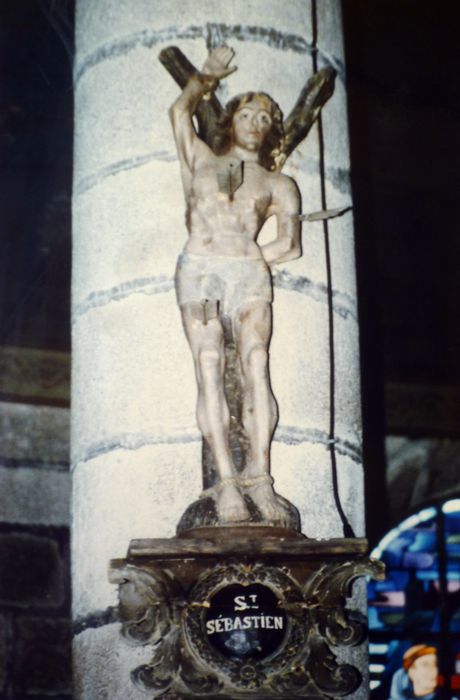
x=326 y=593
x=146 y=608
x=313 y=617
x=150 y=611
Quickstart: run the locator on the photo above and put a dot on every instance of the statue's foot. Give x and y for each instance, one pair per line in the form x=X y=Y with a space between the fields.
x=260 y=490
x=231 y=507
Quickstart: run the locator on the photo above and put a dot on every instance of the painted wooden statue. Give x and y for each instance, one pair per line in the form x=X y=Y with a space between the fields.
x=223 y=279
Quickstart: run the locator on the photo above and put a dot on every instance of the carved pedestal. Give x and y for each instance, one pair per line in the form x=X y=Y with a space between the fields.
x=236 y=615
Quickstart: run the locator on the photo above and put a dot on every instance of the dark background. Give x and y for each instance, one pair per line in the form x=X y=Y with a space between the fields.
x=36 y=122
x=404 y=109
x=404 y=117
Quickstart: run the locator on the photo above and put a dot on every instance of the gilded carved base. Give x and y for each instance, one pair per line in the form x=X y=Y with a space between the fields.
x=234 y=615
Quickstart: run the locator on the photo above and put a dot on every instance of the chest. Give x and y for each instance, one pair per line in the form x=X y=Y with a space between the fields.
x=231 y=180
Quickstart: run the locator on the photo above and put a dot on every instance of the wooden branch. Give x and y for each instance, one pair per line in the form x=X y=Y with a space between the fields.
x=208 y=111
x=313 y=97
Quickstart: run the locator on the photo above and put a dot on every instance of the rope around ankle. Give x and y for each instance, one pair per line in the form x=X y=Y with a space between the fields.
x=239 y=482
x=259 y=480
x=219 y=485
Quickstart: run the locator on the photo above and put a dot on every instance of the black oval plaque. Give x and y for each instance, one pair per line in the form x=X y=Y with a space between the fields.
x=245 y=621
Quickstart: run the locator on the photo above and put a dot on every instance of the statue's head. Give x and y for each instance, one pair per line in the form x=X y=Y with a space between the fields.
x=267 y=119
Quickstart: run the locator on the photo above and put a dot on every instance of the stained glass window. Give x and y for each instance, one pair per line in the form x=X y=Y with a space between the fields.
x=414 y=615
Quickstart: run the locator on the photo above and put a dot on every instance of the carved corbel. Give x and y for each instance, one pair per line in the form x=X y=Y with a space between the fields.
x=150 y=605
x=189 y=628
x=326 y=593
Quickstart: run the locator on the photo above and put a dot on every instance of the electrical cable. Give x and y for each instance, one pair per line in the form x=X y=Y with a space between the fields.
x=347 y=528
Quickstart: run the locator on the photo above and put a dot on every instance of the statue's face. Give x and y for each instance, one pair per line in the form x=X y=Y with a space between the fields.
x=251 y=123
x=424 y=674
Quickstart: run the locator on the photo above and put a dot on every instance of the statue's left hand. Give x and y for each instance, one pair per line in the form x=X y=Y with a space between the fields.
x=217 y=63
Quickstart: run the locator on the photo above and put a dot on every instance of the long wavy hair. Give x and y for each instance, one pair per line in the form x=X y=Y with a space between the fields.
x=271 y=147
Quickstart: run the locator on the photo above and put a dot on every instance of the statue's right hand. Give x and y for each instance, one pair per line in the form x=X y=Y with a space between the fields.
x=217 y=63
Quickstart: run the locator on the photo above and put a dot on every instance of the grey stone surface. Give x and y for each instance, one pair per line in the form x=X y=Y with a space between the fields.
x=301 y=380
x=34 y=434
x=34 y=374
x=103 y=663
x=99 y=25
x=336 y=140
x=347 y=396
x=42 y=663
x=147 y=264
x=121 y=115
x=341 y=242
x=34 y=496
x=128 y=249
x=303 y=475
x=142 y=345
x=330 y=37
x=420 y=471
x=125 y=495
x=31 y=571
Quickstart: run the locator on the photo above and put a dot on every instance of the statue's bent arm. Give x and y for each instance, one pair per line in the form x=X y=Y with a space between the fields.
x=285 y=205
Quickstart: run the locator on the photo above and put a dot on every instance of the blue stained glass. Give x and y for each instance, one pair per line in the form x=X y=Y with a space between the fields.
x=427 y=575
x=425 y=541
x=418 y=560
x=405 y=609
x=452 y=523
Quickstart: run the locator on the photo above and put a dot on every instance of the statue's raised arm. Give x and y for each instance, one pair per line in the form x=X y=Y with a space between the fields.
x=200 y=84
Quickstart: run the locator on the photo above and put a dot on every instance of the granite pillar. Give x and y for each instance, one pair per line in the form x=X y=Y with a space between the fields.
x=136 y=450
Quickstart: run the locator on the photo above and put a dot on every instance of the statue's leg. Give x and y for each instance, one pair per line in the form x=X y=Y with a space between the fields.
x=259 y=415
x=207 y=344
x=253 y=330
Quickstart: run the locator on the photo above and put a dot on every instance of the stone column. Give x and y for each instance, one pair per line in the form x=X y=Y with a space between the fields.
x=136 y=450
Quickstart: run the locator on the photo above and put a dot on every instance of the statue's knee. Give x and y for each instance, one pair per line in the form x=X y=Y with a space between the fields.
x=257 y=358
x=209 y=359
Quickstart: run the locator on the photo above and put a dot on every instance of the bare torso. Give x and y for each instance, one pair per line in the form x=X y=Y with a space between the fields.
x=224 y=226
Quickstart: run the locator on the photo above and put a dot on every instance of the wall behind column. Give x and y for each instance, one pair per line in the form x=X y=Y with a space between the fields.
x=35 y=627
